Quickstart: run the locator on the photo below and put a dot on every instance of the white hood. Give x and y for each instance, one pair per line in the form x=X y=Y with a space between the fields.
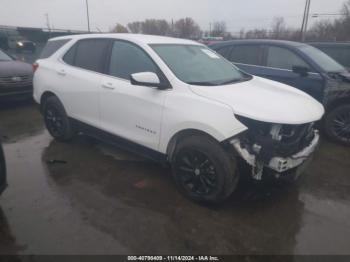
x=265 y=100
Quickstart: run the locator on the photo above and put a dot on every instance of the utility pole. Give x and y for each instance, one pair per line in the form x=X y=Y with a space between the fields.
x=87 y=14
x=209 y=29
x=47 y=21
x=303 y=30
x=172 y=27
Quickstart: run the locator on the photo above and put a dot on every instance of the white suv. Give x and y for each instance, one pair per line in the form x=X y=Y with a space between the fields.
x=175 y=101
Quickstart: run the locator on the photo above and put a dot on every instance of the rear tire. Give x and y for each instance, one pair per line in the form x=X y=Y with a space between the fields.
x=337 y=124
x=56 y=120
x=203 y=170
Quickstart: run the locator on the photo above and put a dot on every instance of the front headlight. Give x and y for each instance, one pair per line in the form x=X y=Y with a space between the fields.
x=20 y=43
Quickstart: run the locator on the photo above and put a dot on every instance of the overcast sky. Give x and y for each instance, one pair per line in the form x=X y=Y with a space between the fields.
x=71 y=14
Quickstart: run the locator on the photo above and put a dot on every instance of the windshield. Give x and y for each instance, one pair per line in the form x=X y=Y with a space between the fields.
x=321 y=59
x=4 y=56
x=198 y=65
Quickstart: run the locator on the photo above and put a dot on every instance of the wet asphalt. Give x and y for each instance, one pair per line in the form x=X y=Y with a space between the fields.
x=86 y=197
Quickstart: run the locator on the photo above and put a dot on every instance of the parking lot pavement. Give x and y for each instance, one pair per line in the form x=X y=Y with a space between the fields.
x=88 y=198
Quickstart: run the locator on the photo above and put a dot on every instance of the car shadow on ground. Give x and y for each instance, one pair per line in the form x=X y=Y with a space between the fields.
x=136 y=201
x=8 y=245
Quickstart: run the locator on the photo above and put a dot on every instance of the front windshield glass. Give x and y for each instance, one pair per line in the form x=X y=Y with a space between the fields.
x=4 y=56
x=198 y=65
x=321 y=59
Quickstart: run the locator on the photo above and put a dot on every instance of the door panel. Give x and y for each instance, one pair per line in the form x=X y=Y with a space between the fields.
x=130 y=111
x=311 y=84
x=79 y=89
x=80 y=79
x=280 y=62
x=277 y=66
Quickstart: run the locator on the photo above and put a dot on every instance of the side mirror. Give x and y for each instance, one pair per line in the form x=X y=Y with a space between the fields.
x=146 y=79
x=301 y=70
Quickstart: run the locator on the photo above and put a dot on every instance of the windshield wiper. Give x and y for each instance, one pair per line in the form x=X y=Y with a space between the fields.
x=236 y=80
x=202 y=83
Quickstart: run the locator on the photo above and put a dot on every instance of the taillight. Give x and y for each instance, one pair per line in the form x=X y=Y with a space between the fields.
x=35 y=67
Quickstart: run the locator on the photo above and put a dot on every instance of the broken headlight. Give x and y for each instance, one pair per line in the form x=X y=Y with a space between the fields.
x=267 y=140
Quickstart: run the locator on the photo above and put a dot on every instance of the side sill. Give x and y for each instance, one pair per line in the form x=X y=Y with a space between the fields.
x=119 y=142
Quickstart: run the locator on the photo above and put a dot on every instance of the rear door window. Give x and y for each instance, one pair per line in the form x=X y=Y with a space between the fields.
x=90 y=54
x=247 y=54
x=282 y=58
x=51 y=47
x=224 y=51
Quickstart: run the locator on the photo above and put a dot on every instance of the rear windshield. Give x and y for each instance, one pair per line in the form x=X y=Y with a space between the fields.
x=51 y=47
x=4 y=56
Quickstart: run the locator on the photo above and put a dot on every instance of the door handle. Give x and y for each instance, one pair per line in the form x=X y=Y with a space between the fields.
x=61 y=72
x=108 y=86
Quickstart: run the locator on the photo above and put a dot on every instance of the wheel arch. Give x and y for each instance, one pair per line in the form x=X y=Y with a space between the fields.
x=185 y=133
x=44 y=98
x=338 y=102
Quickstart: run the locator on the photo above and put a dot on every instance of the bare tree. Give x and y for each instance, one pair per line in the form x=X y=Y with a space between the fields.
x=119 y=28
x=278 y=28
x=336 y=30
x=242 y=33
x=155 y=27
x=219 y=29
x=187 y=28
x=346 y=8
x=256 y=34
x=135 y=27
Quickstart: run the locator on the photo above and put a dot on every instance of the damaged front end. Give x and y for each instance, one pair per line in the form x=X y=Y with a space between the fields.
x=275 y=148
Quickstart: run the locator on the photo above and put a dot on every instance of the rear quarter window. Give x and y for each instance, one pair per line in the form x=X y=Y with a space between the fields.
x=90 y=54
x=51 y=47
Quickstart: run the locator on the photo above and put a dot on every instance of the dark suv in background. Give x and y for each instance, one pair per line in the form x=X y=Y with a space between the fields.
x=302 y=66
x=340 y=52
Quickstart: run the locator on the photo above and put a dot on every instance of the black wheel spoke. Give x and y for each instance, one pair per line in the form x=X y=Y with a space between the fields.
x=186 y=160
x=197 y=172
x=340 y=126
x=188 y=180
x=54 y=121
x=186 y=169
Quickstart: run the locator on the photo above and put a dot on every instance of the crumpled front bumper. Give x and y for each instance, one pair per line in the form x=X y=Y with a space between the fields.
x=277 y=164
x=280 y=164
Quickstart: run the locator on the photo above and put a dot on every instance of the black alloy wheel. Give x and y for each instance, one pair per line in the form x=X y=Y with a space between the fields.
x=338 y=124
x=54 y=121
x=196 y=171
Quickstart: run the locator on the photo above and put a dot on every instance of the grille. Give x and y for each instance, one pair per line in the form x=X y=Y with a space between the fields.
x=21 y=80
x=286 y=141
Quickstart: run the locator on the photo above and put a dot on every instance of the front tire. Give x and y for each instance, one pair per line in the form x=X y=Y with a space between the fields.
x=203 y=171
x=337 y=124
x=56 y=120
